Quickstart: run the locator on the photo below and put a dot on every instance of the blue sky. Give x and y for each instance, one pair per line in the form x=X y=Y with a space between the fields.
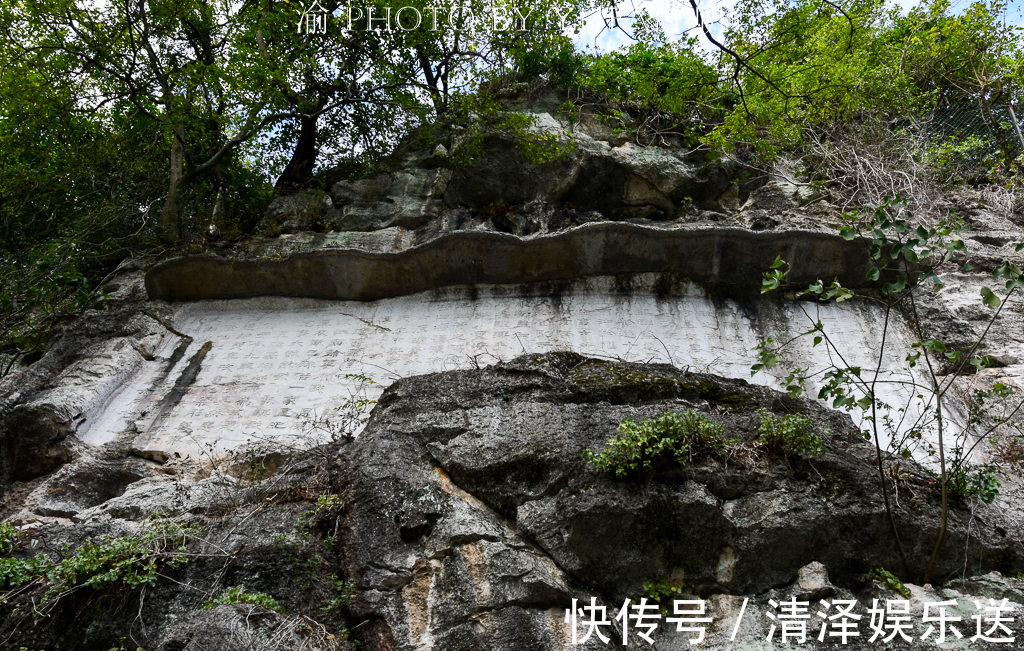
x=677 y=17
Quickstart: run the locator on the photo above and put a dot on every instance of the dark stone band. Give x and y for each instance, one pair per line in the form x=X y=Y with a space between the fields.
x=718 y=256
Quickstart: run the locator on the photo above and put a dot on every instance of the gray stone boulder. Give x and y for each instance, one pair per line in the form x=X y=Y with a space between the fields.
x=295 y=213
x=478 y=169
x=468 y=493
x=246 y=627
x=740 y=622
x=465 y=517
x=498 y=173
x=87 y=482
x=253 y=548
x=41 y=431
x=992 y=586
x=408 y=198
x=626 y=182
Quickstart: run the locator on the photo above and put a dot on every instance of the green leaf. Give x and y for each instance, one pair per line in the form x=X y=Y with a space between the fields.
x=1008 y=270
x=989 y=298
x=934 y=344
x=956 y=244
x=895 y=287
x=982 y=362
x=873 y=274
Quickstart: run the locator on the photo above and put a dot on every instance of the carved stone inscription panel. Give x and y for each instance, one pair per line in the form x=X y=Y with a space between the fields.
x=261 y=369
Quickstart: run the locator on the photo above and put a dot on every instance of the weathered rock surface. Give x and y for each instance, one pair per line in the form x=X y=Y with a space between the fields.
x=467 y=518
x=468 y=493
x=255 y=537
x=295 y=213
x=50 y=403
x=480 y=180
x=407 y=198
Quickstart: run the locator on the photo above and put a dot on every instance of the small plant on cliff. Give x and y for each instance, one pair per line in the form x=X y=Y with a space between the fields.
x=345 y=591
x=791 y=434
x=887 y=579
x=683 y=436
x=535 y=144
x=10 y=538
x=973 y=479
x=129 y=561
x=662 y=593
x=238 y=595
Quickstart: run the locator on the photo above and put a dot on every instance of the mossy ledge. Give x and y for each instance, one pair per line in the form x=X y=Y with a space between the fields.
x=625 y=382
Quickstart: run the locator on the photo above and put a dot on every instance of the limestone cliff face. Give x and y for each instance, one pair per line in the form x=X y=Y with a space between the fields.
x=512 y=316
x=465 y=517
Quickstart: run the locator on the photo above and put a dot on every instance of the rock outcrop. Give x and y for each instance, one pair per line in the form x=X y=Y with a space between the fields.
x=465 y=517
x=469 y=500
x=45 y=407
x=730 y=257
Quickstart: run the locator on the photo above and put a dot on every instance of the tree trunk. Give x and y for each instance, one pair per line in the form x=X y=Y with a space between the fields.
x=300 y=167
x=170 y=228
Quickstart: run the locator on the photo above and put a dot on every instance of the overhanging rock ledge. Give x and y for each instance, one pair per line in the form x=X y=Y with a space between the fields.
x=713 y=256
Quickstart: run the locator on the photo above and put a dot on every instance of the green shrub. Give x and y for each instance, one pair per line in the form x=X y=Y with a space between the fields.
x=238 y=595
x=10 y=538
x=129 y=561
x=345 y=590
x=790 y=434
x=974 y=480
x=684 y=436
x=888 y=579
x=955 y=160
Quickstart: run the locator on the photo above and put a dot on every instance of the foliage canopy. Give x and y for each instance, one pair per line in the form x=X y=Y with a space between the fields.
x=135 y=126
